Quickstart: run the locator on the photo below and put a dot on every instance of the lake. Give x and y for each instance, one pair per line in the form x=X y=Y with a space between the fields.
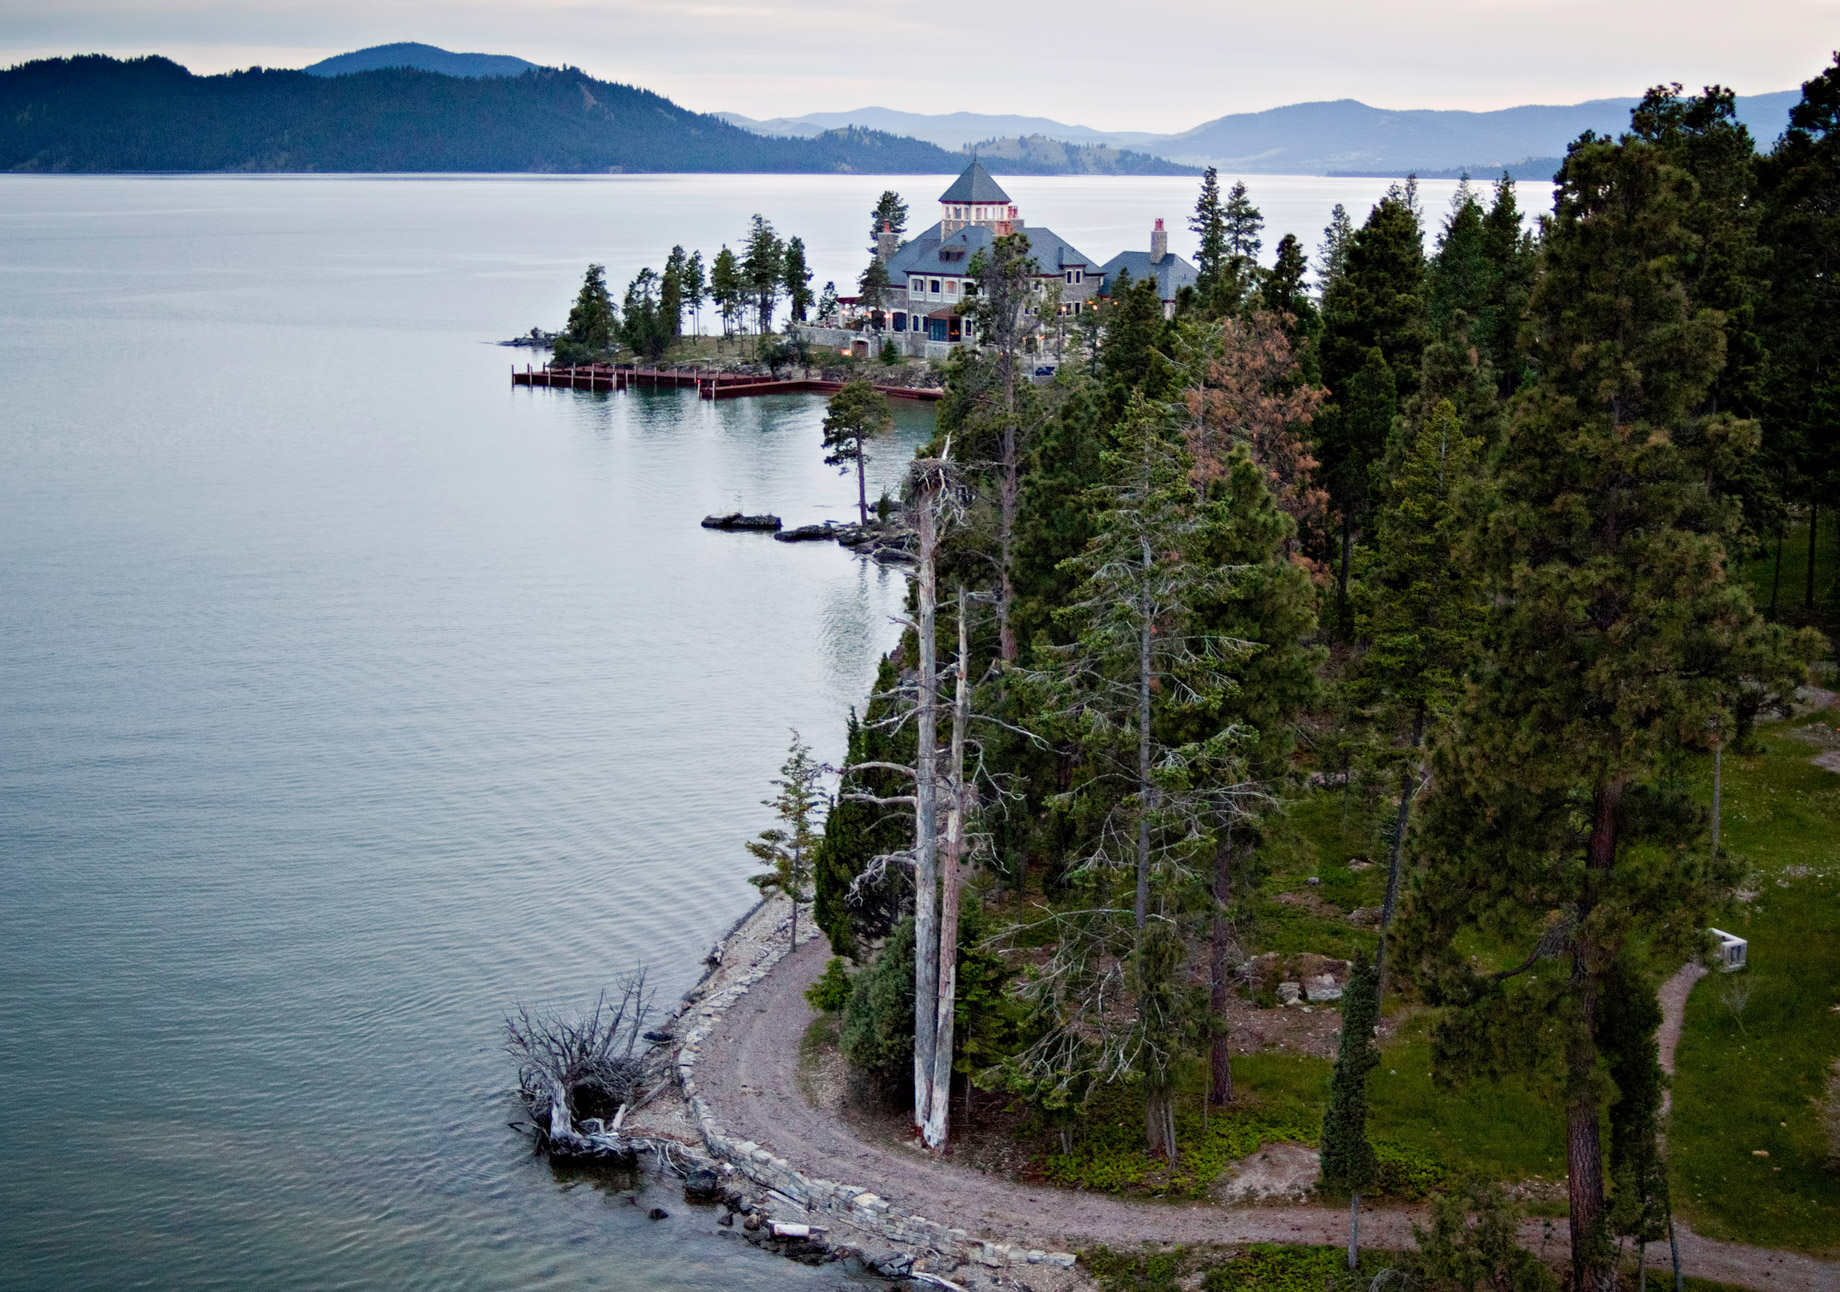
x=352 y=696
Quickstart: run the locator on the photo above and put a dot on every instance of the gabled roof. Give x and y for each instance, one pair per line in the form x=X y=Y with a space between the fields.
x=927 y=254
x=1172 y=273
x=975 y=185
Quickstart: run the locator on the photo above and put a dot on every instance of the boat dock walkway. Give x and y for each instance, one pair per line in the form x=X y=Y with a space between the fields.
x=719 y=385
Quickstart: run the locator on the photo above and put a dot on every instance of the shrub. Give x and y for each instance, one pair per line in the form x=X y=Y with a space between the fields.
x=890 y=355
x=878 y=1022
x=832 y=990
x=1458 y=1254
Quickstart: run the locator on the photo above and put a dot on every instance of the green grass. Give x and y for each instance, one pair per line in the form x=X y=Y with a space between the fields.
x=1501 y=1131
x=1260 y=1267
x=1746 y=1078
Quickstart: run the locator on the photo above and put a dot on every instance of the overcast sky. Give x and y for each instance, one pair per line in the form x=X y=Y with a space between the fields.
x=1162 y=65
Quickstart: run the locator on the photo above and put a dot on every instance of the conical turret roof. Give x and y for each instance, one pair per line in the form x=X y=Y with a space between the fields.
x=975 y=185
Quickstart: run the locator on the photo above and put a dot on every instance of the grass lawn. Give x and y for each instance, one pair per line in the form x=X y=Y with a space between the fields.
x=1757 y=1044
x=1792 y=587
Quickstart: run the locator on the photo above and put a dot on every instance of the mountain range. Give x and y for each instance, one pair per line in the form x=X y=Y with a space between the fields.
x=1341 y=136
x=415 y=107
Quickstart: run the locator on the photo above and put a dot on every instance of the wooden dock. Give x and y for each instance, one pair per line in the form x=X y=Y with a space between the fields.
x=720 y=385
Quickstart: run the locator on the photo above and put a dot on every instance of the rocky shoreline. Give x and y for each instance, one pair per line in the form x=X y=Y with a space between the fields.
x=775 y=1204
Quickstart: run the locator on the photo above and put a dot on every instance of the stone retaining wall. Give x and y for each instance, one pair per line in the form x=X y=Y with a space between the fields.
x=792 y=1188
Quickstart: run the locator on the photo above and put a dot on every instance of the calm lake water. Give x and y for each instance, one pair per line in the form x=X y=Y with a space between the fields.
x=351 y=696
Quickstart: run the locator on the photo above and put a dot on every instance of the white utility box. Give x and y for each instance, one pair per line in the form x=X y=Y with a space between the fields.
x=1732 y=951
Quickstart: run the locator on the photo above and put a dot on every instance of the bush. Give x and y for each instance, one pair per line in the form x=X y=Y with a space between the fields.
x=1458 y=1255
x=878 y=1022
x=832 y=990
x=890 y=355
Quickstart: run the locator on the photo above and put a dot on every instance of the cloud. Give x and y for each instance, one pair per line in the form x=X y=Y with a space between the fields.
x=1156 y=65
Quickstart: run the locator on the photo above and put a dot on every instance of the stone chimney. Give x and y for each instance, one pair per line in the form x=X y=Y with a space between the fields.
x=1159 y=244
x=887 y=242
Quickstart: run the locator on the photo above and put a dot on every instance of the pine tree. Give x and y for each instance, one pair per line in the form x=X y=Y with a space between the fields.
x=1348 y=1160
x=797 y=279
x=1210 y=225
x=695 y=288
x=1242 y=223
x=1152 y=804
x=1511 y=255
x=725 y=287
x=788 y=847
x=1627 y=1019
x=1375 y=303
x=645 y=327
x=671 y=291
x=856 y=412
x=1421 y=606
x=871 y=287
x=1614 y=625
x=1284 y=293
x=588 y=335
x=890 y=213
x=1460 y=273
x=850 y=905
x=763 y=270
x=1332 y=255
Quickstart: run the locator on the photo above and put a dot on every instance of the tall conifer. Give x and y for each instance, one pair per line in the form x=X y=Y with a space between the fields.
x=1614 y=626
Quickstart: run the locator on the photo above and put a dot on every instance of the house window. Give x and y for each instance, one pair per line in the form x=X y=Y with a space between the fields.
x=916 y=286
x=935 y=287
x=951 y=287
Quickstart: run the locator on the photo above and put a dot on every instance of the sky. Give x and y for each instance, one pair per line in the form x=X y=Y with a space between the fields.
x=1154 y=65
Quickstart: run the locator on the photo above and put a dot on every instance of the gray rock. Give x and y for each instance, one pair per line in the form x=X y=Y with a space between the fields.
x=1289 y=993
x=702 y=1185
x=734 y=520
x=1322 y=987
x=806 y=533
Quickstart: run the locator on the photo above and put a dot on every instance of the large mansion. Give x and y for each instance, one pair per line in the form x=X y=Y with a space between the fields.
x=929 y=276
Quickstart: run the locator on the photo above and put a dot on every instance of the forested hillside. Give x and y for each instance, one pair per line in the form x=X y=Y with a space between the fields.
x=1371 y=630
x=95 y=113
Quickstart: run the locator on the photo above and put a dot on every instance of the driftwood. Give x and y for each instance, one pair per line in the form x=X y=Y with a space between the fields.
x=579 y=1075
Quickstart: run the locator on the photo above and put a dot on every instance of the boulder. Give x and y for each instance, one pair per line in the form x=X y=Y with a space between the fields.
x=806 y=533
x=1289 y=993
x=702 y=1185
x=1322 y=987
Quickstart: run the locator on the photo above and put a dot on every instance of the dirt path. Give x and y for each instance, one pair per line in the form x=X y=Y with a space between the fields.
x=749 y=1074
x=1673 y=994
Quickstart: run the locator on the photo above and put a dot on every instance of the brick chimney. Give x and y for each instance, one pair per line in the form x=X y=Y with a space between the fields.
x=887 y=242
x=1159 y=244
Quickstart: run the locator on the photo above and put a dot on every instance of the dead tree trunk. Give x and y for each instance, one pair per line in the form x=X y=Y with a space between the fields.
x=936 y=1130
x=926 y=841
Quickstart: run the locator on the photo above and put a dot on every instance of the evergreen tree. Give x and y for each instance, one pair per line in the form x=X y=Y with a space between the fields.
x=671 y=291
x=827 y=300
x=1332 y=255
x=856 y=412
x=1627 y=1020
x=1348 y=1160
x=1613 y=627
x=1285 y=295
x=763 y=270
x=1421 y=605
x=695 y=288
x=588 y=335
x=725 y=287
x=878 y=1024
x=890 y=212
x=849 y=904
x=1130 y=360
x=788 y=846
x=871 y=287
x=1460 y=273
x=1209 y=223
x=1509 y=250
x=1242 y=223
x=645 y=328
x=1374 y=335
x=1152 y=801
x=798 y=279
x=1474 y=1245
